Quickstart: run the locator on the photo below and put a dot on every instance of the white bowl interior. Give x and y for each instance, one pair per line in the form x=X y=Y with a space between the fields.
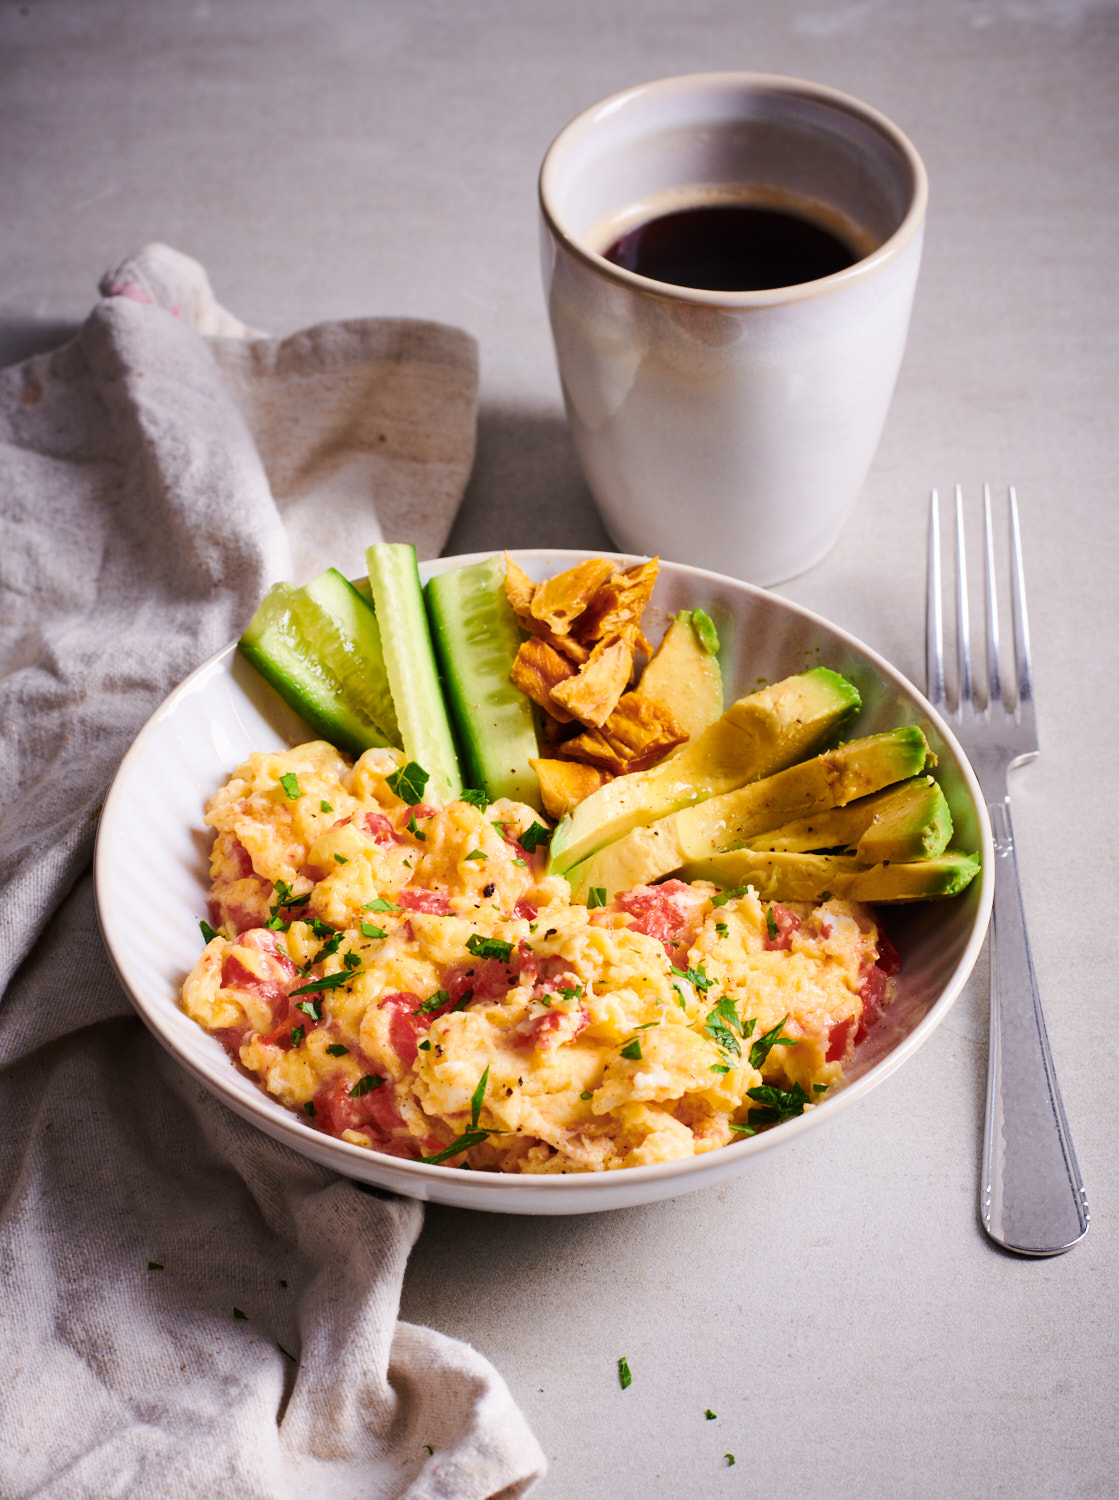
x=152 y=876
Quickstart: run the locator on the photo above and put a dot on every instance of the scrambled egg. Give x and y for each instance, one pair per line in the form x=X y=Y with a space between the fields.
x=407 y=979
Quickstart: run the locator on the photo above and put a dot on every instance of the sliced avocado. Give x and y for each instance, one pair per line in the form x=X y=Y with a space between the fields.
x=684 y=674
x=759 y=734
x=720 y=823
x=814 y=877
x=909 y=821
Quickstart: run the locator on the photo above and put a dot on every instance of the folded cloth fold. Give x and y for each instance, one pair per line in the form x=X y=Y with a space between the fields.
x=190 y=1308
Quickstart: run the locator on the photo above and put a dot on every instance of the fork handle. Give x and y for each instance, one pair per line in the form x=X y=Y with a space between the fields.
x=1032 y=1194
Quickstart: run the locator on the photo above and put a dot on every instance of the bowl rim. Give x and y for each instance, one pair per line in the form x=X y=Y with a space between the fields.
x=415 y=1178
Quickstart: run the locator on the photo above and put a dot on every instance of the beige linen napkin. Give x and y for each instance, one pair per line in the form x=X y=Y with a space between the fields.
x=188 y=1308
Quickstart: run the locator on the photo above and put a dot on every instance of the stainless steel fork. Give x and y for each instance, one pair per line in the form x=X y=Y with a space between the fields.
x=1031 y=1195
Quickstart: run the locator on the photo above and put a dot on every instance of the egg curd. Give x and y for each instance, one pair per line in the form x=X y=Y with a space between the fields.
x=407 y=979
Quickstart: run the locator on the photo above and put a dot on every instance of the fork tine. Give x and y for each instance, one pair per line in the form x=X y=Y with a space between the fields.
x=1022 y=666
x=990 y=599
x=963 y=625
x=934 y=617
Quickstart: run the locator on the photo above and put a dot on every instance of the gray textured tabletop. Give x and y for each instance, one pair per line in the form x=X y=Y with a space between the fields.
x=837 y=1304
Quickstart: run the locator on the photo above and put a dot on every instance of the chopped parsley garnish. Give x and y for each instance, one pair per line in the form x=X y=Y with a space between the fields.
x=771 y=923
x=721 y=928
x=484 y=947
x=341 y=859
x=574 y=994
x=290 y=783
x=417 y=833
x=476 y=1098
x=408 y=783
x=730 y=1459
x=463 y=1143
x=297 y=1035
x=369 y=930
x=696 y=977
x=719 y=1024
x=329 y=982
x=596 y=896
x=624 y=1375
x=819 y=1088
x=709 y=1414
x=534 y=835
x=586 y=1094
x=309 y=1109
x=463 y=1000
x=332 y=944
x=476 y=854
x=424 y=1046
x=721 y=1068
x=337 y=1049
x=207 y=931
x=679 y=993
x=240 y=1316
x=475 y=798
x=433 y=1002
x=155 y=1265
x=776 y=1104
x=773 y=1038
x=645 y=1025
x=743 y=1129
x=366 y=1085
x=825 y=895
x=325 y=806
x=521 y=863
x=319 y=928
x=310 y=1008
x=284 y=898
x=632 y=1050
x=732 y=895
x=351 y=960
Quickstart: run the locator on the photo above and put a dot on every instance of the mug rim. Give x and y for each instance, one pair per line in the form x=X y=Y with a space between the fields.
x=772 y=83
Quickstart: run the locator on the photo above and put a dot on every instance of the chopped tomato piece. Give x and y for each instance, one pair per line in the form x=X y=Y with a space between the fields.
x=379 y=828
x=666 y=912
x=337 y=1109
x=786 y=923
x=838 y=1039
x=407 y=1023
x=436 y=903
x=889 y=959
x=271 y=986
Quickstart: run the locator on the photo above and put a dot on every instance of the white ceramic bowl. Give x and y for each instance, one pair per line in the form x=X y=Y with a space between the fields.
x=152 y=857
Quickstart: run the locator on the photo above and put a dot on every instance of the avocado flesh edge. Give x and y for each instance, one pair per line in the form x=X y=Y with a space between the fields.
x=684 y=677
x=721 y=823
x=758 y=735
x=907 y=821
x=814 y=877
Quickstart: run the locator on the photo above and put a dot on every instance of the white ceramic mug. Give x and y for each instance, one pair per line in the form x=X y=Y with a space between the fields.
x=730 y=430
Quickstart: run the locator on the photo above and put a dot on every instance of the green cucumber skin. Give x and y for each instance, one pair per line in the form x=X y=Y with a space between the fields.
x=476 y=638
x=356 y=622
x=283 y=659
x=410 y=663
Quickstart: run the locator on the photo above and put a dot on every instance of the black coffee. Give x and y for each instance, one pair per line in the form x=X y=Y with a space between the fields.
x=732 y=247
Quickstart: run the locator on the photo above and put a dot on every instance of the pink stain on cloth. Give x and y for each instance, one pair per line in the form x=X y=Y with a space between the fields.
x=190 y=1308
